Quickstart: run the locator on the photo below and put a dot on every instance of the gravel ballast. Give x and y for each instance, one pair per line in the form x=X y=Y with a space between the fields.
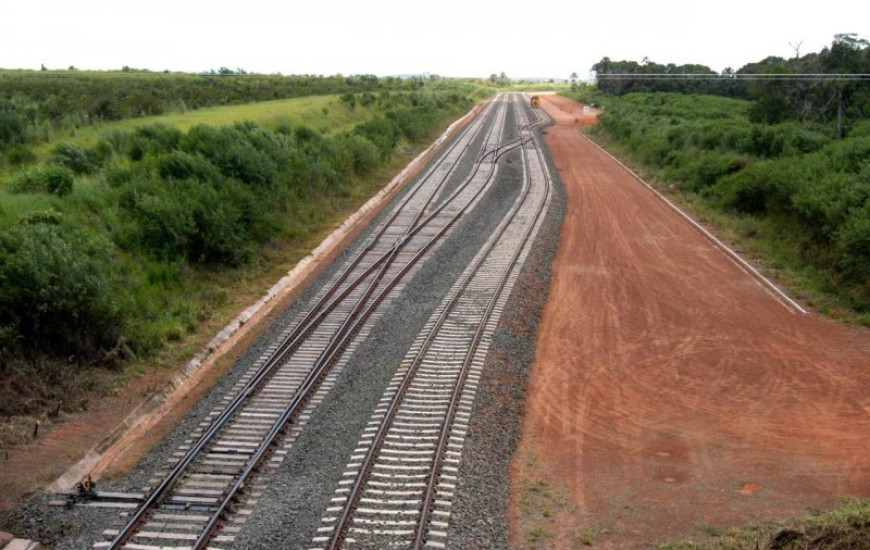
x=479 y=517
x=290 y=510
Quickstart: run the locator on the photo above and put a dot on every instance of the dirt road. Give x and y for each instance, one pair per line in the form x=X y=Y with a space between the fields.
x=671 y=392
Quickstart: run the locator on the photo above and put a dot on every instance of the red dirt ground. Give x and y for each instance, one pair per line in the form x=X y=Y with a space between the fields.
x=671 y=392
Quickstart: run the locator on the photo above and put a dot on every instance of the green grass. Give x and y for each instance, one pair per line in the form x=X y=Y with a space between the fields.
x=845 y=528
x=326 y=114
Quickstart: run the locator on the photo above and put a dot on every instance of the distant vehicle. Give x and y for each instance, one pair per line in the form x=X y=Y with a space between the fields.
x=536 y=102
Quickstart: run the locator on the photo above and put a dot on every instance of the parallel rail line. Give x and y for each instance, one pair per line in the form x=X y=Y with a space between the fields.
x=212 y=474
x=399 y=494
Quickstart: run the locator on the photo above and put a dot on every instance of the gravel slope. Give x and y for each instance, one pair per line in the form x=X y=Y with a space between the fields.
x=480 y=510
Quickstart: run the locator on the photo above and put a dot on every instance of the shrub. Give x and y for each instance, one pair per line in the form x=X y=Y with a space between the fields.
x=20 y=155
x=11 y=129
x=182 y=165
x=850 y=155
x=101 y=152
x=200 y=221
x=380 y=132
x=168 y=137
x=825 y=203
x=860 y=129
x=117 y=139
x=853 y=241
x=51 y=217
x=55 y=292
x=800 y=140
x=349 y=99
x=56 y=180
x=233 y=154
x=116 y=175
x=154 y=138
x=413 y=124
x=762 y=187
x=73 y=157
x=364 y=153
x=706 y=168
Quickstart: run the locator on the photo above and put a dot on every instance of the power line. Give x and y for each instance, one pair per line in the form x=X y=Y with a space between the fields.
x=735 y=76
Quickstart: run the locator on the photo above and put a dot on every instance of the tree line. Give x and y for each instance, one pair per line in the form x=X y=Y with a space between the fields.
x=804 y=88
x=34 y=103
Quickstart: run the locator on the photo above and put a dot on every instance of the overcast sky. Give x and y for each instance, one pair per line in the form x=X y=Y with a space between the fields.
x=534 y=38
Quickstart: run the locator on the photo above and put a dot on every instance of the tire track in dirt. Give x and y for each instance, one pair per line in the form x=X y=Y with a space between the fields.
x=670 y=390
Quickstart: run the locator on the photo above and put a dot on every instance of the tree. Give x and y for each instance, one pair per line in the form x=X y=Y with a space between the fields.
x=847 y=55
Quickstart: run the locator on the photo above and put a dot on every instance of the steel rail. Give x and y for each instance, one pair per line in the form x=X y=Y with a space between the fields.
x=314 y=316
x=453 y=407
x=315 y=376
x=328 y=356
x=379 y=437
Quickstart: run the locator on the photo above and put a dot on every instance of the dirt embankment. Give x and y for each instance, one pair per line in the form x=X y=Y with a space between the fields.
x=671 y=392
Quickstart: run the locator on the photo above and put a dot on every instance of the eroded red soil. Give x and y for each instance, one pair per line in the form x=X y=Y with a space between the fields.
x=670 y=390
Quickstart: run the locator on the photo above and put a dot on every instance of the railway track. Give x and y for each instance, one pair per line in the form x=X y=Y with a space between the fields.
x=211 y=484
x=398 y=488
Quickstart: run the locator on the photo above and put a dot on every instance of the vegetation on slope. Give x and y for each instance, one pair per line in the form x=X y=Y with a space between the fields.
x=793 y=187
x=111 y=250
x=780 y=89
x=36 y=104
x=781 y=166
x=846 y=528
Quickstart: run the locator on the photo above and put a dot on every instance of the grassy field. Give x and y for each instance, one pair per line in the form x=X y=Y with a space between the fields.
x=325 y=114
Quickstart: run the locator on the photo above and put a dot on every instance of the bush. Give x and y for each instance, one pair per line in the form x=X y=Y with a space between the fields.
x=101 y=152
x=56 y=292
x=200 y=221
x=116 y=175
x=763 y=187
x=11 y=129
x=853 y=242
x=182 y=165
x=364 y=153
x=413 y=124
x=117 y=139
x=232 y=152
x=51 y=217
x=380 y=132
x=850 y=155
x=152 y=139
x=73 y=157
x=824 y=203
x=20 y=155
x=706 y=168
x=56 y=180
